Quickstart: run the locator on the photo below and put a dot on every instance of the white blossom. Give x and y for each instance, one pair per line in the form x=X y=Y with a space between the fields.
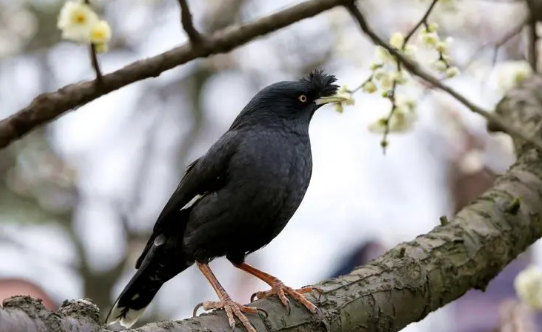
x=100 y=33
x=528 y=285
x=429 y=39
x=511 y=73
x=440 y=65
x=403 y=118
x=369 y=87
x=402 y=77
x=452 y=72
x=76 y=20
x=384 y=55
x=387 y=80
x=397 y=40
x=343 y=92
x=379 y=73
x=432 y=27
x=409 y=51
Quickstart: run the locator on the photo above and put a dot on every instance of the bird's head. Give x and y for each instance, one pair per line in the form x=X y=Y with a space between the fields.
x=290 y=101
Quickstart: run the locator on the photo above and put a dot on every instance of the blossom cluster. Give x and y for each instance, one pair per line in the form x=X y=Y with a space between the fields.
x=431 y=40
x=401 y=118
x=80 y=23
x=347 y=94
x=388 y=74
x=511 y=73
x=528 y=285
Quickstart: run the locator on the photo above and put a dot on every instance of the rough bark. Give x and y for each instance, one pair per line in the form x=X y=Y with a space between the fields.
x=402 y=286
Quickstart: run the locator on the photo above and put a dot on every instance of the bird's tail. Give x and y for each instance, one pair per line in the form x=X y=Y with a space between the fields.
x=133 y=300
x=143 y=286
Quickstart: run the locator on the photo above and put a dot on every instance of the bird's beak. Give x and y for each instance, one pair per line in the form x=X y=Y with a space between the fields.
x=330 y=99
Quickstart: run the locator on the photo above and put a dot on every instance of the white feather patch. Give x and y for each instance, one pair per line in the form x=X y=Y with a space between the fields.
x=113 y=315
x=160 y=239
x=131 y=316
x=192 y=201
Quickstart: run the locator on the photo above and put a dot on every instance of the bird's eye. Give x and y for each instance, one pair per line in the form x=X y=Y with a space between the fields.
x=302 y=98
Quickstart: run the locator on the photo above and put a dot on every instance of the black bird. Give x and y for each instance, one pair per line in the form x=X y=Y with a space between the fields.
x=235 y=199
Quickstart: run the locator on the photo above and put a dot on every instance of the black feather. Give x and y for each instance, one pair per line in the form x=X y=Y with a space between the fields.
x=248 y=185
x=319 y=81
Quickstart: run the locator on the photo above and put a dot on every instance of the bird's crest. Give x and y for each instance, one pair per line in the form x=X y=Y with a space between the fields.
x=319 y=81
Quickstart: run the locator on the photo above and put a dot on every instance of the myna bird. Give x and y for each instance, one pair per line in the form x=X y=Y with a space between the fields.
x=235 y=199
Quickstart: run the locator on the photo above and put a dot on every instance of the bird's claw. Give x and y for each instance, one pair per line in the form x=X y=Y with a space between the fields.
x=196 y=308
x=233 y=310
x=318 y=290
x=281 y=290
x=264 y=313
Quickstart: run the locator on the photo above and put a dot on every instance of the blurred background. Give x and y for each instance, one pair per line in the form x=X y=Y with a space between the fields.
x=78 y=198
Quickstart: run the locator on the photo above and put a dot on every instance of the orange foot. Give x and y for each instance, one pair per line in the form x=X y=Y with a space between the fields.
x=233 y=309
x=279 y=289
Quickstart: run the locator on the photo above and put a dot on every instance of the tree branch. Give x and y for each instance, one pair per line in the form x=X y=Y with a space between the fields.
x=496 y=45
x=420 y=22
x=494 y=121
x=48 y=106
x=94 y=58
x=402 y=286
x=188 y=25
x=532 y=48
x=95 y=63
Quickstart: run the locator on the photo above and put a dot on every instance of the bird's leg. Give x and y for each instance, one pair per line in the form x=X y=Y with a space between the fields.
x=232 y=309
x=278 y=288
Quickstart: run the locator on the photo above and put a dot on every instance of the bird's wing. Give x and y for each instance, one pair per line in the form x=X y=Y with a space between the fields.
x=203 y=176
x=182 y=193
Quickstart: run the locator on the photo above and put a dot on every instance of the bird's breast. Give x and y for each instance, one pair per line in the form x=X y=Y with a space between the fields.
x=273 y=172
x=267 y=178
x=285 y=159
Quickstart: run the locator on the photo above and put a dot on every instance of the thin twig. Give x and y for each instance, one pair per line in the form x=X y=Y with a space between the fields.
x=392 y=99
x=496 y=45
x=187 y=23
x=495 y=49
x=94 y=58
x=418 y=71
x=422 y=21
x=95 y=64
x=393 y=91
x=535 y=7
x=532 y=45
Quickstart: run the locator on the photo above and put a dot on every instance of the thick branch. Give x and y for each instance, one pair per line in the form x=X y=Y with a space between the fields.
x=48 y=106
x=405 y=284
x=535 y=9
